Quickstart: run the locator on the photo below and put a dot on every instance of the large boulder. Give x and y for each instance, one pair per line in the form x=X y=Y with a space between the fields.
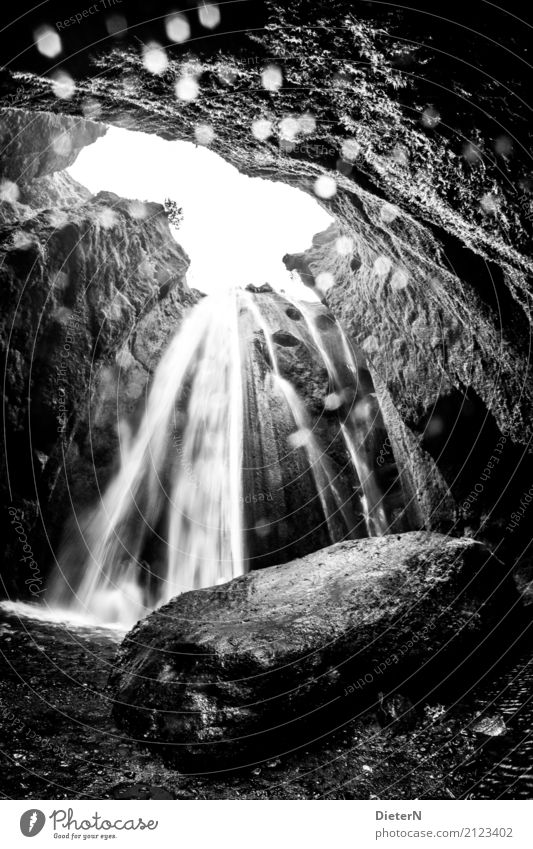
x=223 y=675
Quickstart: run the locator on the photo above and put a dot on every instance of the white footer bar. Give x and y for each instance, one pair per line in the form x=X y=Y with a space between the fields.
x=269 y=824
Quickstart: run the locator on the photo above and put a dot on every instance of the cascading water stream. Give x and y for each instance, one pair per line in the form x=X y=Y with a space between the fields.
x=357 y=434
x=180 y=476
x=173 y=517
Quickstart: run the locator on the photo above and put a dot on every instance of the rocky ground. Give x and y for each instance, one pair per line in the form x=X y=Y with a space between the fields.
x=60 y=740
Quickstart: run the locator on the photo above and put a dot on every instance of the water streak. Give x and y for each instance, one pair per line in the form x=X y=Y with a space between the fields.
x=179 y=480
x=358 y=427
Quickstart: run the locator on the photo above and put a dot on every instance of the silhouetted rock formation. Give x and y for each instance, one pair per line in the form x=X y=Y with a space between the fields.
x=223 y=675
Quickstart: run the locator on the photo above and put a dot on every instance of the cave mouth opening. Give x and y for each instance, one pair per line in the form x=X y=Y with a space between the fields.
x=235 y=229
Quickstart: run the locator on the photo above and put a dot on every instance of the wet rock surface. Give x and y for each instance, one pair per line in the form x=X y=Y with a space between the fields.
x=444 y=392
x=219 y=675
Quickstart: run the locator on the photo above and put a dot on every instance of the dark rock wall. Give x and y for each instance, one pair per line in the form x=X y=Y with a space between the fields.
x=451 y=389
x=92 y=290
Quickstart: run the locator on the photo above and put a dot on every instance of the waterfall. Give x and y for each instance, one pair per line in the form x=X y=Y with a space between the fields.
x=332 y=501
x=179 y=479
x=358 y=427
x=229 y=469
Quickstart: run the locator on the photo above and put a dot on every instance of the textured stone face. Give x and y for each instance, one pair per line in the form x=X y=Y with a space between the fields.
x=446 y=378
x=37 y=144
x=92 y=290
x=219 y=674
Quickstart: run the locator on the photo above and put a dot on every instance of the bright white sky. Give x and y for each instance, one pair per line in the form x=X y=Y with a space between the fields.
x=235 y=228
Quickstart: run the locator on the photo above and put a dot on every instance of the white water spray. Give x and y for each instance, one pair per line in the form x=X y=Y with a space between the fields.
x=180 y=479
x=171 y=520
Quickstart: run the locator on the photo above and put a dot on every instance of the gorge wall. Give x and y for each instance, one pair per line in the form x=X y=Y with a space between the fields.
x=419 y=146
x=92 y=289
x=445 y=396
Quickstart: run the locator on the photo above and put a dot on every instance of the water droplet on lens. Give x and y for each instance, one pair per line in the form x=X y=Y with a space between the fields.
x=350 y=150
x=344 y=246
x=154 y=58
x=187 y=88
x=325 y=280
x=382 y=265
x=116 y=25
x=272 y=78
x=204 y=134
x=399 y=280
x=209 y=15
x=177 y=28
x=262 y=129
x=63 y=86
x=430 y=117
x=47 y=41
x=9 y=191
x=389 y=212
x=325 y=187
